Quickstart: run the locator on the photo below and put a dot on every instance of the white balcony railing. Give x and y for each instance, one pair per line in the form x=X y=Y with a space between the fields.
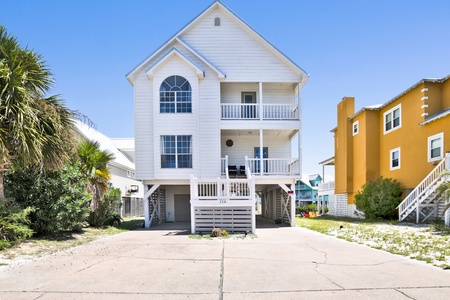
x=326 y=186
x=251 y=111
x=273 y=166
x=221 y=190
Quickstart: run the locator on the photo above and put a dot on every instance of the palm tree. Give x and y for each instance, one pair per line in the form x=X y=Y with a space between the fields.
x=94 y=165
x=34 y=129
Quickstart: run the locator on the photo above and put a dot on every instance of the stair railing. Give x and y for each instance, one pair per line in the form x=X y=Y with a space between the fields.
x=414 y=197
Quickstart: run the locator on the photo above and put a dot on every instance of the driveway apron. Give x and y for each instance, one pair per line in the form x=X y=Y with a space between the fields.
x=280 y=263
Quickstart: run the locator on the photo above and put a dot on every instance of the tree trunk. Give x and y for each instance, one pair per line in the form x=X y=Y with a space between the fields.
x=2 y=192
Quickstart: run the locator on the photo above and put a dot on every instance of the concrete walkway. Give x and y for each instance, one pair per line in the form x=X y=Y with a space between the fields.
x=281 y=263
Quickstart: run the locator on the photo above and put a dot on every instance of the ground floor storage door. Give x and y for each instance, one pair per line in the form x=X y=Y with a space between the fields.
x=182 y=208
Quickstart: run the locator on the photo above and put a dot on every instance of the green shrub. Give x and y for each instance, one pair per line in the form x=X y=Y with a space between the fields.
x=58 y=198
x=379 y=199
x=306 y=208
x=108 y=206
x=13 y=223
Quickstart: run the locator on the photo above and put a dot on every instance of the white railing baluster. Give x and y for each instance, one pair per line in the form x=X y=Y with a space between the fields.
x=414 y=199
x=243 y=111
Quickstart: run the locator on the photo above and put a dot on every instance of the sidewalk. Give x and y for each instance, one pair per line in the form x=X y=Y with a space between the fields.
x=281 y=263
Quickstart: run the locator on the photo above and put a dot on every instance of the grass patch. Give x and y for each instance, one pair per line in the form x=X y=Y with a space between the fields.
x=39 y=246
x=132 y=223
x=425 y=242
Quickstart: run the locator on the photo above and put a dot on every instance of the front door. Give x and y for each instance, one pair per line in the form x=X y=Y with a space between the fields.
x=257 y=152
x=249 y=110
x=182 y=208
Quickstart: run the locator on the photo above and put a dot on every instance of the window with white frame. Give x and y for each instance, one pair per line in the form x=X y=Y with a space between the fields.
x=395 y=159
x=393 y=119
x=176 y=151
x=436 y=147
x=355 y=128
x=175 y=95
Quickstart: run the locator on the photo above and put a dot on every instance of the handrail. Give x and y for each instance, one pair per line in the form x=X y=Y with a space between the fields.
x=244 y=111
x=273 y=166
x=423 y=187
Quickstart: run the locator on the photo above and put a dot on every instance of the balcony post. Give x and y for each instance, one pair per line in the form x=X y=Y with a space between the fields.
x=261 y=110
x=261 y=152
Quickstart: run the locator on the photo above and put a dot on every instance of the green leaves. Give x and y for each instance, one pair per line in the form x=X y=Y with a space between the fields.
x=379 y=199
x=94 y=166
x=58 y=198
x=33 y=127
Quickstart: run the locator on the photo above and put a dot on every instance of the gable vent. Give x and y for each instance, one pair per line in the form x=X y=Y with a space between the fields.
x=217 y=21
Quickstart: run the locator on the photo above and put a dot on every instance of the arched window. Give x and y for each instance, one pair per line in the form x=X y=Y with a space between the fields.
x=175 y=95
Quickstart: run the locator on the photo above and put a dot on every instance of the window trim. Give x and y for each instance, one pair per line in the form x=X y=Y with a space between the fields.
x=391 y=112
x=176 y=154
x=178 y=95
x=357 y=128
x=391 y=167
x=432 y=138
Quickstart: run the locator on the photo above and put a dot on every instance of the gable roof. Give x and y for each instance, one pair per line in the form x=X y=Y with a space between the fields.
x=89 y=133
x=242 y=23
x=175 y=52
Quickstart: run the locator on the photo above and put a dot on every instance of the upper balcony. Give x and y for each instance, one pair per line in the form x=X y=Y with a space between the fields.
x=259 y=101
x=253 y=111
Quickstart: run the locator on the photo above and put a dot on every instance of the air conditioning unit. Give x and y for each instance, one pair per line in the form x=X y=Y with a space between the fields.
x=133 y=189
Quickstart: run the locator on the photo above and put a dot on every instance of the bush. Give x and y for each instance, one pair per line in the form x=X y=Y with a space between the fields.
x=13 y=223
x=108 y=206
x=58 y=198
x=306 y=208
x=379 y=199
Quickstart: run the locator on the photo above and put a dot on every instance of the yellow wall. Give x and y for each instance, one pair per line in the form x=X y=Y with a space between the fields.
x=343 y=147
x=366 y=156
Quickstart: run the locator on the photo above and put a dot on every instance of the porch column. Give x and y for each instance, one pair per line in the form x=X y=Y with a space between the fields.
x=193 y=192
x=261 y=154
x=146 y=208
x=261 y=109
x=293 y=224
x=298 y=101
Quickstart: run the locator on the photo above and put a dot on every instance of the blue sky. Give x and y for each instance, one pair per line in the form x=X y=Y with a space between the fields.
x=372 y=50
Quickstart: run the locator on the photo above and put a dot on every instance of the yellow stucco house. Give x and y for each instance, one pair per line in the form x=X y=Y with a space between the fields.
x=405 y=138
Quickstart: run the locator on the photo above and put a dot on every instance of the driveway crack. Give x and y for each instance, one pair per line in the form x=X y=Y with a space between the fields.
x=222 y=266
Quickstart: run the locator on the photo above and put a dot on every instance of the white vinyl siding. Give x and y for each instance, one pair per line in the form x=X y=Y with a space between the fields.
x=436 y=147
x=144 y=140
x=245 y=145
x=392 y=119
x=236 y=52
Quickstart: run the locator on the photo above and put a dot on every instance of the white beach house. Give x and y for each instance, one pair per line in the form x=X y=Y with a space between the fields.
x=217 y=108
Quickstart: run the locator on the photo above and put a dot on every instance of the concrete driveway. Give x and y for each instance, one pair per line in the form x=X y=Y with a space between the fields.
x=281 y=263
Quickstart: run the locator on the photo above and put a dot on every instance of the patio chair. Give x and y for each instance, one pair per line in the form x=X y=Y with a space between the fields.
x=232 y=171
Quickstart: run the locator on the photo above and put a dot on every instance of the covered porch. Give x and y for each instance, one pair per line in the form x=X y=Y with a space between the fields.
x=260 y=152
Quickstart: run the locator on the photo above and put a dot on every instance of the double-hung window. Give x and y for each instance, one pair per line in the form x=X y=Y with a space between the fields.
x=175 y=95
x=393 y=119
x=395 y=159
x=176 y=151
x=355 y=127
x=436 y=147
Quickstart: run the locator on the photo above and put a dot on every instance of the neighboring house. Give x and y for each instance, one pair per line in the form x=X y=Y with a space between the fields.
x=306 y=189
x=216 y=109
x=405 y=138
x=122 y=168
